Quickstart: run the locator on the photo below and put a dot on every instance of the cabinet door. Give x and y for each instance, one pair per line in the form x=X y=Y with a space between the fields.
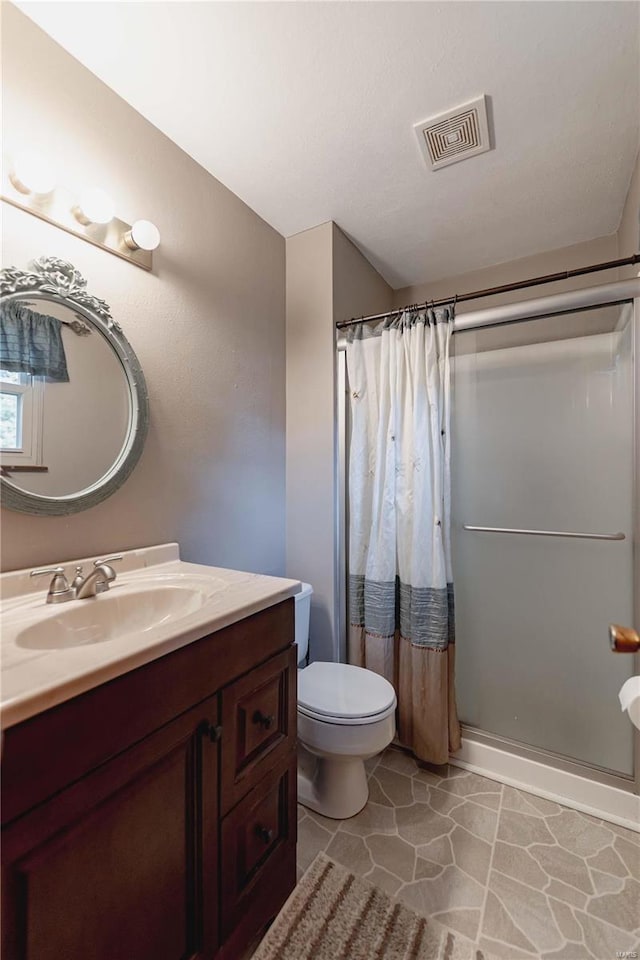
x=122 y=865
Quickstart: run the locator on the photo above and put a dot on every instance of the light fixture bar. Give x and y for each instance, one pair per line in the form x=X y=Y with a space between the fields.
x=108 y=238
x=87 y=215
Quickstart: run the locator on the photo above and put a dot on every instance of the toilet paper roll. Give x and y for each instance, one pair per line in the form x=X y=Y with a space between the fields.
x=629 y=698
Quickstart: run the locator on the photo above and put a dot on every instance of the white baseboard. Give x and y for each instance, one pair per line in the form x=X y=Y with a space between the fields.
x=589 y=796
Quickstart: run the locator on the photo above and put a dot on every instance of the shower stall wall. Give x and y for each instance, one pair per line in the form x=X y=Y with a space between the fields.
x=544 y=422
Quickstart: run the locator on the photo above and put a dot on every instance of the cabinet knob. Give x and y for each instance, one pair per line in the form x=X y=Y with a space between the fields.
x=264 y=834
x=211 y=730
x=265 y=720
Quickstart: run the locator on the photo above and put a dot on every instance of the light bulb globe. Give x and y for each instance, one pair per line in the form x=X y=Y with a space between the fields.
x=96 y=206
x=143 y=235
x=32 y=173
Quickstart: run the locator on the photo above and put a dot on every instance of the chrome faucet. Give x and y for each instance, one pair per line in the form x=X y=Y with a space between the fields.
x=59 y=589
x=98 y=580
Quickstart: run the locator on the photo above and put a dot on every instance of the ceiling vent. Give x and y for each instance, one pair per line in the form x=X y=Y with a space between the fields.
x=454 y=135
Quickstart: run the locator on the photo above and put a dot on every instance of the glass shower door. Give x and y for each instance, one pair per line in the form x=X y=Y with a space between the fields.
x=543 y=441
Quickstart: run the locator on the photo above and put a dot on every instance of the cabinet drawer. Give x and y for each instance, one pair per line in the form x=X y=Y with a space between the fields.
x=258 y=724
x=258 y=850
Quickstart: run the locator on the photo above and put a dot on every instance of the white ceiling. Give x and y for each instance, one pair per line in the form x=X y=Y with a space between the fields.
x=305 y=111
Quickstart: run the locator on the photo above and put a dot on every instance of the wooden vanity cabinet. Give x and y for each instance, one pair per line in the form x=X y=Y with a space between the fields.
x=168 y=839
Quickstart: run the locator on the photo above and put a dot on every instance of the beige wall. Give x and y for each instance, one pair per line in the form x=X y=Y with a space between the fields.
x=357 y=287
x=553 y=261
x=328 y=279
x=629 y=229
x=207 y=324
x=310 y=426
x=624 y=243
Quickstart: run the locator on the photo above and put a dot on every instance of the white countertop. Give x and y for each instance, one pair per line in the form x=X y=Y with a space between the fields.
x=35 y=679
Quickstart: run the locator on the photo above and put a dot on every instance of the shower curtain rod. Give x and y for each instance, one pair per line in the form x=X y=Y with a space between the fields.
x=505 y=288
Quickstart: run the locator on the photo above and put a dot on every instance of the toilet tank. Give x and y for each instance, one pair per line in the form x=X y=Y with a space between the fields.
x=302 y=614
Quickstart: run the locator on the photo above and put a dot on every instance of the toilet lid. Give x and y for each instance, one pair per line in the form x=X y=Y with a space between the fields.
x=343 y=691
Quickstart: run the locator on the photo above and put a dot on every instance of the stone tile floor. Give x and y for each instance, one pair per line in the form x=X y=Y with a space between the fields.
x=518 y=875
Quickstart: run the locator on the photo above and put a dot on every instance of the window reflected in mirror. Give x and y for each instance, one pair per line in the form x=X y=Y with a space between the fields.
x=21 y=397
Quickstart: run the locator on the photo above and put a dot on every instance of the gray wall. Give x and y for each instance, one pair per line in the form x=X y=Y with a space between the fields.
x=629 y=229
x=328 y=279
x=310 y=428
x=623 y=243
x=552 y=261
x=207 y=324
x=358 y=289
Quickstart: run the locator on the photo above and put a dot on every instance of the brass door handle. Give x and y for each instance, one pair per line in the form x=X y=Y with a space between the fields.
x=623 y=639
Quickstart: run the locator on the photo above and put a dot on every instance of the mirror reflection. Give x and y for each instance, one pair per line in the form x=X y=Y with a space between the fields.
x=65 y=400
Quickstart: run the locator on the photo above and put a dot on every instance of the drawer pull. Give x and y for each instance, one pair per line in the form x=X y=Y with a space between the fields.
x=264 y=834
x=211 y=730
x=265 y=721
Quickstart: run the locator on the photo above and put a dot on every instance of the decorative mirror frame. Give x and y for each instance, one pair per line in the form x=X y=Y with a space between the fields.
x=59 y=281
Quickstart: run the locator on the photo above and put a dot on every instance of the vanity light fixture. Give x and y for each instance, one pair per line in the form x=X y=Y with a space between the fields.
x=28 y=182
x=32 y=174
x=95 y=206
x=143 y=235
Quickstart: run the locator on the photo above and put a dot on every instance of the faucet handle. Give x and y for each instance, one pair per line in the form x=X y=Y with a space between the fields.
x=43 y=570
x=99 y=563
x=59 y=589
x=58 y=575
x=109 y=572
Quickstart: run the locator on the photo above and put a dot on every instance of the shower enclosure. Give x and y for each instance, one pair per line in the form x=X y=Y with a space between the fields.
x=544 y=526
x=543 y=443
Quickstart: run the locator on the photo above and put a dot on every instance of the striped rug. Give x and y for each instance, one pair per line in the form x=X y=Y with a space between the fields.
x=334 y=915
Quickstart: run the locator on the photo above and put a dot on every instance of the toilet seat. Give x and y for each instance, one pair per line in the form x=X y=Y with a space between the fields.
x=343 y=694
x=347 y=721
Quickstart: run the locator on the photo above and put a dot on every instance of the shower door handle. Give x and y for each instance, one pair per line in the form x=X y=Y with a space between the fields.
x=623 y=639
x=570 y=534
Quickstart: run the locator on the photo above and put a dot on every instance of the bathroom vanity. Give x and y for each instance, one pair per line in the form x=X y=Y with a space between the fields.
x=149 y=797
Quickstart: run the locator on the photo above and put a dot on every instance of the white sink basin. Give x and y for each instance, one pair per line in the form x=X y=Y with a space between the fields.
x=133 y=609
x=135 y=605
x=157 y=604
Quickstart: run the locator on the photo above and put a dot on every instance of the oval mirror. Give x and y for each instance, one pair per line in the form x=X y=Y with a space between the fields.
x=73 y=400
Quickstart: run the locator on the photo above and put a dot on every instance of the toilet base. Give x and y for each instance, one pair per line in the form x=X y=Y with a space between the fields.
x=334 y=786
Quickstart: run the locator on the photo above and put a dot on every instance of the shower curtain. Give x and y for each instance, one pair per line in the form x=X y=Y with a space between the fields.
x=400 y=577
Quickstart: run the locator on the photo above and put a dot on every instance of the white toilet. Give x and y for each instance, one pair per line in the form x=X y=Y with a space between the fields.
x=345 y=715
